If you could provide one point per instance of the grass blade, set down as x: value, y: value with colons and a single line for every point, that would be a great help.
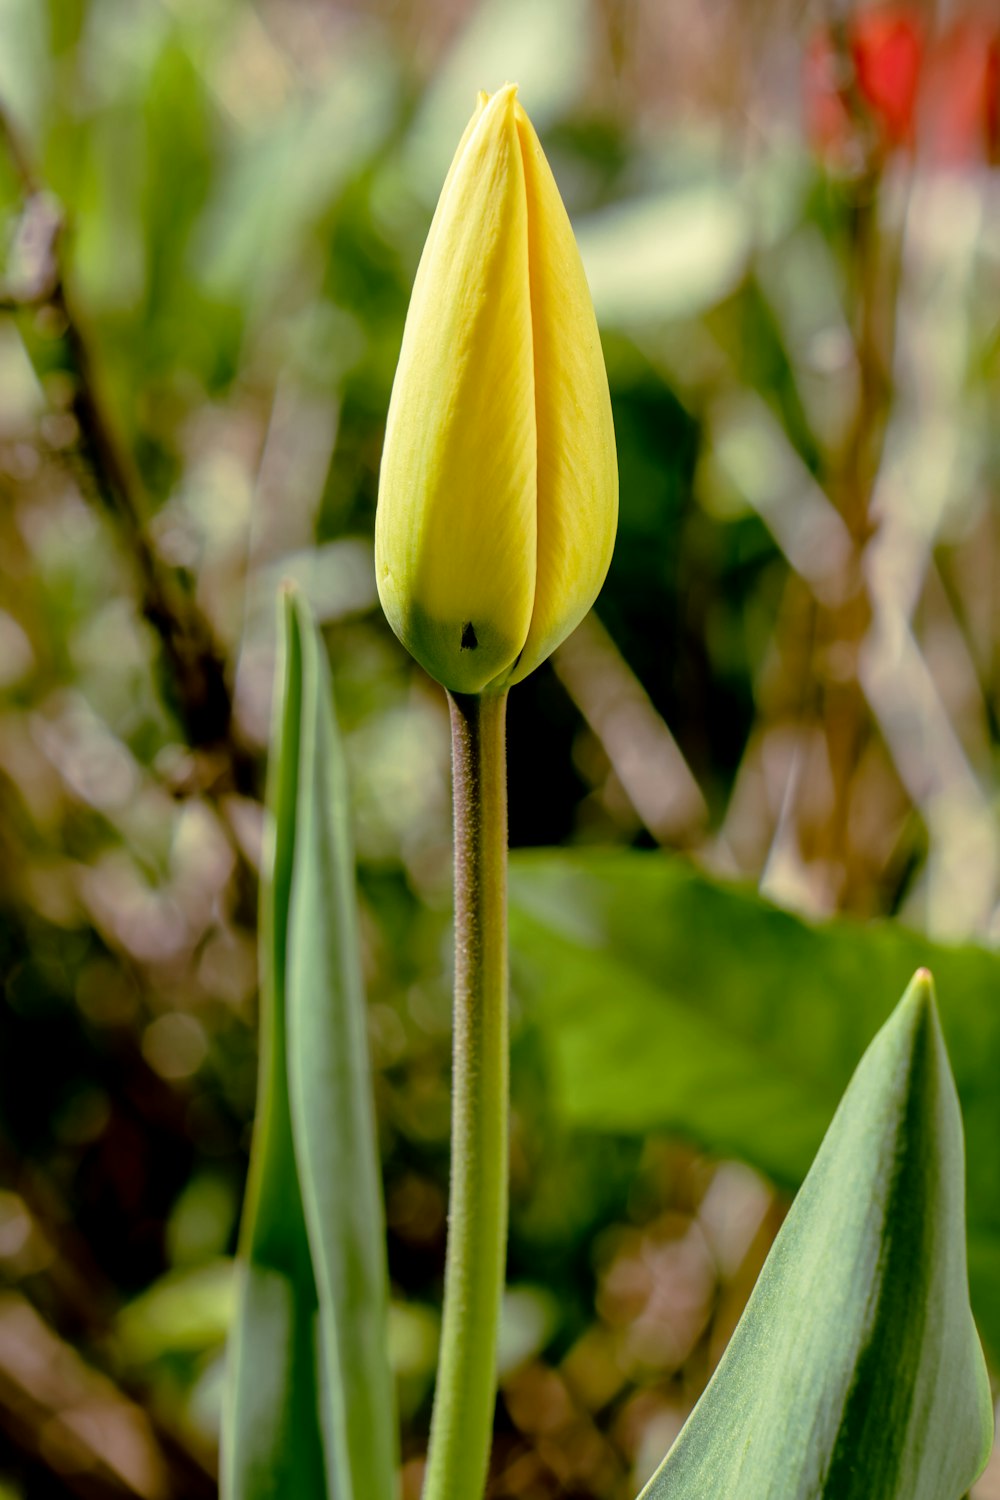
x: 271, y: 1443
x: 332, y: 1111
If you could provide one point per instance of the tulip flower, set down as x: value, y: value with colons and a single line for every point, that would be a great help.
x: 497, y: 508
x: 498, y: 497
x: 861, y: 84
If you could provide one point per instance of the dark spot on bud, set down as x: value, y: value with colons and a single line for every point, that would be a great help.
x: 469, y: 642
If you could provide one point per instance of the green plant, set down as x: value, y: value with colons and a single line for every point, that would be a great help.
x: 856, y: 1369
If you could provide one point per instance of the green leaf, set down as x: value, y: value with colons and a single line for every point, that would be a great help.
x: 310, y: 1409
x: 667, y: 256
x: 855, y: 1372
x: 668, y: 1001
x: 332, y: 1111
x: 271, y: 1443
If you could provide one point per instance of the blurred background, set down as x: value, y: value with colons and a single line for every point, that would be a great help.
x: 211, y: 213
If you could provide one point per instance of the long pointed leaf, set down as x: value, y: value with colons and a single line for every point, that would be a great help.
x: 856, y: 1372
x: 332, y: 1113
x: 271, y: 1444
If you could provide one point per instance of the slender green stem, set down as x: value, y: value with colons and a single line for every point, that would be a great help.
x: 462, y: 1423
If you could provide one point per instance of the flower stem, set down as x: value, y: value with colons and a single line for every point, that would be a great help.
x: 462, y: 1422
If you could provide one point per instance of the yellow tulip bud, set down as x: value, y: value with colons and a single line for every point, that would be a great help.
x: 498, y: 497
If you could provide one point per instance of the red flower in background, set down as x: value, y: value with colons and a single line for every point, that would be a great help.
x: 887, y: 49
x: 877, y: 84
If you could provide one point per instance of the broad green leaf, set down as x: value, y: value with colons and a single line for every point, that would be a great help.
x: 668, y: 1001
x: 332, y: 1112
x: 271, y: 1443
x: 855, y: 1372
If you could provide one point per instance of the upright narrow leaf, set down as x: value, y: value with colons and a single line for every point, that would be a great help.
x: 332, y: 1113
x: 856, y: 1372
x: 271, y: 1446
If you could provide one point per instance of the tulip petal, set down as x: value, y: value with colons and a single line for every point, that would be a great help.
x: 482, y: 99
x: 577, y: 464
x: 455, y: 528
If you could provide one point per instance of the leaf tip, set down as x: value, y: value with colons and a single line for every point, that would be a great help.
x: 918, y: 1007
x: 296, y: 609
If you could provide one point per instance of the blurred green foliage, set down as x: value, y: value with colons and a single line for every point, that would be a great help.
x: 736, y: 1023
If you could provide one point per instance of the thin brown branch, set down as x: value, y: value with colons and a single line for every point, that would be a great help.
x: 194, y: 672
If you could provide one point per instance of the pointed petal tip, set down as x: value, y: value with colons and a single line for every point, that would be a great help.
x: 504, y: 100
x: 493, y: 112
x: 489, y: 108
